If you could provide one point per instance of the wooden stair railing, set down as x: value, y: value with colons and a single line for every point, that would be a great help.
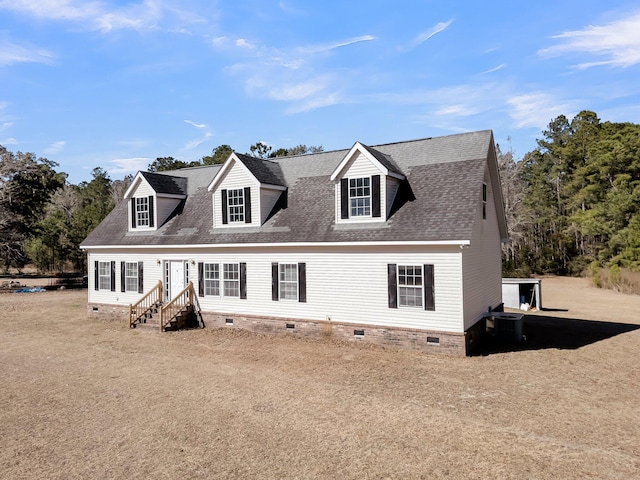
x: 152, y: 300
x: 181, y: 304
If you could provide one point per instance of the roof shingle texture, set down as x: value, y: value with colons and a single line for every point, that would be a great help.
x: 445, y: 175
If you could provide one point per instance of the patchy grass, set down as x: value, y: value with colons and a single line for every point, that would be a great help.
x: 85, y: 398
x: 616, y: 278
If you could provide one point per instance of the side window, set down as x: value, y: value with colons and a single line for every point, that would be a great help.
x: 289, y: 281
x: 212, y: 279
x: 131, y: 276
x: 104, y: 276
x: 222, y: 280
x: 411, y: 286
x: 484, y: 201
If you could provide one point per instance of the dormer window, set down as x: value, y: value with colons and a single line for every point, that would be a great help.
x: 142, y: 211
x: 366, y: 182
x: 236, y: 205
x: 360, y: 197
x: 235, y: 202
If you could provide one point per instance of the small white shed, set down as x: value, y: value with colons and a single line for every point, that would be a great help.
x: 522, y: 293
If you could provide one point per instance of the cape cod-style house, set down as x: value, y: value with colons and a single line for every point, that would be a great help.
x: 398, y: 244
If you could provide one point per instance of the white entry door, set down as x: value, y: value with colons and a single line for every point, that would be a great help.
x: 176, y: 278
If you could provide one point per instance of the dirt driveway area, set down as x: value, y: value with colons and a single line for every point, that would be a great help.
x: 91, y: 399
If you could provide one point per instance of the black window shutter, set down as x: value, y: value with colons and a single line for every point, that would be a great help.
x: 302, y: 282
x: 95, y: 276
x: 140, y: 277
x: 429, y: 288
x: 247, y: 204
x: 393, y: 285
x: 113, y: 276
x: 133, y: 212
x: 243, y: 281
x: 275, y: 282
x: 375, y: 196
x: 151, y: 214
x: 224, y: 207
x: 200, y: 279
x: 122, y: 276
x: 344, y: 198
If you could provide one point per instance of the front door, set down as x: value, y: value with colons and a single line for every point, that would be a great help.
x: 176, y: 279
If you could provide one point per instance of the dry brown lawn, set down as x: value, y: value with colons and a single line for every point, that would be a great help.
x: 90, y: 399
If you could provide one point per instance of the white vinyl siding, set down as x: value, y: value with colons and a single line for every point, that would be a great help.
x: 165, y: 207
x: 345, y: 284
x: 390, y: 186
x: 268, y: 199
x: 482, y: 262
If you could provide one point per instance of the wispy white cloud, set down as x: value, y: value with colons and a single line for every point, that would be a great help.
x: 427, y: 34
x: 55, y: 147
x: 536, y: 109
x: 199, y: 141
x: 5, y: 125
x: 617, y: 42
x: 320, y: 48
x: 8, y: 141
x: 197, y: 125
x: 11, y: 53
x: 494, y: 69
x: 289, y: 75
x: 124, y: 166
x: 94, y: 15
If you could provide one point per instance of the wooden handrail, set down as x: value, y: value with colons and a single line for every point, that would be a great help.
x: 171, y: 309
x: 150, y: 300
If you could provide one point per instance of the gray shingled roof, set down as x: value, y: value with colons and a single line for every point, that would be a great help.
x: 444, y: 175
x: 384, y: 160
x: 168, y: 184
x: 265, y: 171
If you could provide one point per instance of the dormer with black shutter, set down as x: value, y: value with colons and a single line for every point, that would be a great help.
x: 366, y: 183
x: 246, y: 191
x: 152, y: 199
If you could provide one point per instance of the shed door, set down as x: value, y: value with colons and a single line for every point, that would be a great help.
x: 176, y: 278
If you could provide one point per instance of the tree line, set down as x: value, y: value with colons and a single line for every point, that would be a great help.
x: 44, y: 218
x: 573, y: 203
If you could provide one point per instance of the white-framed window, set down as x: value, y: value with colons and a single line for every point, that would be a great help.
x: 131, y: 276
x: 360, y: 197
x: 231, y: 279
x: 211, y: 278
x: 142, y: 211
x: 104, y: 275
x: 288, y: 279
x: 410, y: 286
x: 484, y: 201
x: 235, y: 204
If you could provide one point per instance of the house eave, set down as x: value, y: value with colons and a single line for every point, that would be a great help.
x: 427, y: 243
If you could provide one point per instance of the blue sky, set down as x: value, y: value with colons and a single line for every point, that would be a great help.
x: 115, y: 84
